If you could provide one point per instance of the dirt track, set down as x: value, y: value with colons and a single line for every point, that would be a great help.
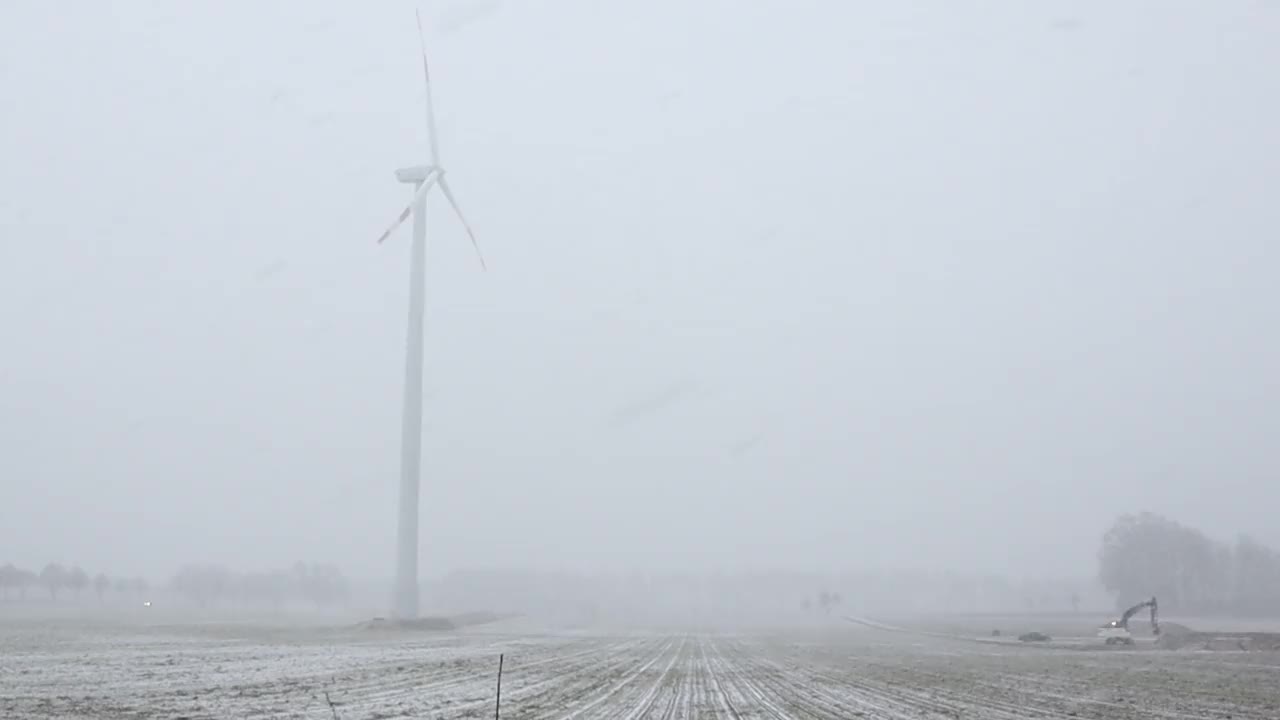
x: 838, y: 672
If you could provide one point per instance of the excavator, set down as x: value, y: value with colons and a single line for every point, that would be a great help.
x: 1116, y: 632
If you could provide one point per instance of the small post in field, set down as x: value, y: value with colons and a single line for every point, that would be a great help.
x: 497, y: 706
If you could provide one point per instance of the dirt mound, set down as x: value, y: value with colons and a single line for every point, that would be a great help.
x: 432, y: 624
x: 476, y: 618
x: 427, y: 624
x: 1220, y: 642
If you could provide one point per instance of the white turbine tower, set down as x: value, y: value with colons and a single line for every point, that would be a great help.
x: 424, y: 178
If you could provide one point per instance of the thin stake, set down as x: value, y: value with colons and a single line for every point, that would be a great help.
x: 332, y: 708
x: 497, y: 706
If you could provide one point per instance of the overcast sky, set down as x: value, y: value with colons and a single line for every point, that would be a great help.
x: 816, y: 285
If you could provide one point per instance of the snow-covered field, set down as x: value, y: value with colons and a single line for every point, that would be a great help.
x: 101, y: 670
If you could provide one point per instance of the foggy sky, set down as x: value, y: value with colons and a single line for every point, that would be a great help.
x: 815, y: 285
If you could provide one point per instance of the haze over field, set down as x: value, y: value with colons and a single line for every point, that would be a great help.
x: 779, y: 284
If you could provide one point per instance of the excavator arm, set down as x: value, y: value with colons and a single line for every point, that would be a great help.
x: 1155, y: 620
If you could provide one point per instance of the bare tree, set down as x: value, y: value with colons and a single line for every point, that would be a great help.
x: 1255, y: 590
x: 25, y: 579
x: 824, y: 602
x: 54, y: 578
x: 101, y: 583
x: 1144, y: 555
x: 202, y: 583
x: 8, y: 579
x: 78, y: 579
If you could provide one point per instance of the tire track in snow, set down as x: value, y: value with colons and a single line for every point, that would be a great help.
x: 804, y: 694
x: 650, y: 698
x: 681, y: 703
x: 405, y: 687
x: 707, y: 671
x: 614, y: 688
x: 749, y: 690
x: 546, y: 695
x: 895, y: 699
x: 868, y: 697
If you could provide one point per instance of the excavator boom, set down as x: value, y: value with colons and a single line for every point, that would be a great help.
x: 1118, y: 630
x: 1155, y: 619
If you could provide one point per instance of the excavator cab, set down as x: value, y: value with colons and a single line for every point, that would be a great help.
x: 1117, y: 632
x: 1113, y: 634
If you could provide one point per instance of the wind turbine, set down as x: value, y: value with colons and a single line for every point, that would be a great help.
x: 424, y: 178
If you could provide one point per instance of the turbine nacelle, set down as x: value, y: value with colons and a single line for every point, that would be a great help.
x: 417, y: 173
x: 430, y: 175
x: 427, y: 177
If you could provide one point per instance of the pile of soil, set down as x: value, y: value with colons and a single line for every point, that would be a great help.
x: 1184, y: 638
x: 475, y: 618
x: 427, y: 624
x: 432, y: 624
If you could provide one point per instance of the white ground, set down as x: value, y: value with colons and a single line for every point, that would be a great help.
x: 842, y: 671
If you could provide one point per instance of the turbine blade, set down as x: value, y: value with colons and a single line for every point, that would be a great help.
x: 448, y: 194
x: 408, y: 209
x: 404, y: 215
x: 426, y: 77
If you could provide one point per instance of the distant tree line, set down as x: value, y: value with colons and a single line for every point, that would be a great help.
x: 825, y: 601
x: 1147, y: 554
x: 54, y: 579
x: 321, y: 585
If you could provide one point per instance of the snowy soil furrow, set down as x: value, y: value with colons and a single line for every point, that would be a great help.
x: 825, y: 673
x: 645, y: 705
x: 584, y: 706
x: 749, y: 697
